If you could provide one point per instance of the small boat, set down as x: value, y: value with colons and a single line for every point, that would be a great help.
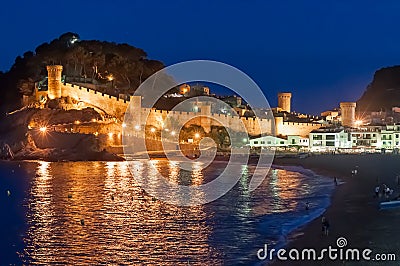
x: 389, y: 204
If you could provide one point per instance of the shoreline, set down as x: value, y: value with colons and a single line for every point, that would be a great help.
x: 353, y: 211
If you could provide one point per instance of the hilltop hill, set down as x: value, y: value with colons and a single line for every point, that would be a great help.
x: 383, y: 92
x: 91, y: 60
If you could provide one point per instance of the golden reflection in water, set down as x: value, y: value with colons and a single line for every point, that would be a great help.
x: 244, y: 208
x: 95, y: 213
x: 285, y: 186
x: 197, y: 174
x: 173, y: 171
x: 43, y: 212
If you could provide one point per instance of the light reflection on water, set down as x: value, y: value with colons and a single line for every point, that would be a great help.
x: 95, y: 213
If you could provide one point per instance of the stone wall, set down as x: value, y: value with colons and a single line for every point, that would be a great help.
x: 109, y: 104
x: 294, y: 128
x: 157, y: 118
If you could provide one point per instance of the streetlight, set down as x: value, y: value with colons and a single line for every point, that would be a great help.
x: 152, y: 130
x: 43, y: 129
x: 197, y: 135
x: 111, y: 79
x: 359, y: 123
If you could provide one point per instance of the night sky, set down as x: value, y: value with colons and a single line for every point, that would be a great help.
x: 323, y: 51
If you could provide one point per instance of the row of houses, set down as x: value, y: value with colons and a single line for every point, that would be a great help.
x: 330, y: 139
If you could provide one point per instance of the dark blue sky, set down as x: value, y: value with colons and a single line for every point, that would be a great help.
x: 323, y: 51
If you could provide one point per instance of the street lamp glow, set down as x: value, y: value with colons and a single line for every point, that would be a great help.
x: 153, y: 130
x: 43, y: 129
x: 110, y: 135
x: 124, y: 125
x: 197, y: 135
x: 137, y: 127
x: 173, y: 133
x: 359, y: 122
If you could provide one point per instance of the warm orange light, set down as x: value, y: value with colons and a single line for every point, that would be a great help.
x: 43, y: 129
x: 123, y: 125
x: 137, y: 127
x: 110, y: 135
x: 94, y: 120
x: 110, y: 77
x: 173, y: 133
x: 77, y: 122
x: 153, y: 130
x: 197, y: 135
x: 359, y: 122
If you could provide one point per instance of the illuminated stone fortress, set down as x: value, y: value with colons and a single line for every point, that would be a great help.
x: 112, y: 108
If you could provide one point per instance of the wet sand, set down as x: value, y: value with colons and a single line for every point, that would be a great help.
x: 354, y: 212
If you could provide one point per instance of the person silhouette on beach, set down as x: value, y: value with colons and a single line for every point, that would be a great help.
x: 335, y: 181
x: 325, y: 226
x: 307, y: 206
x: 377, y: 188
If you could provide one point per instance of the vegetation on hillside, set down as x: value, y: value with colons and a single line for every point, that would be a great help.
x: 121, y: 66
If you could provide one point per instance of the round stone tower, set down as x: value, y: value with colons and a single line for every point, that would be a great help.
x: 284, y: 100
x: 54, y: 81
x: 348, y: 110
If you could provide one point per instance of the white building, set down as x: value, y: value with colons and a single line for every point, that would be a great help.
x: 297, y: 141
x: 377, y: 137
x: 268, y: 141
x: 329, y: 139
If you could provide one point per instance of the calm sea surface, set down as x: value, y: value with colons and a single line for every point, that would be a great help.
x: 86, y: 213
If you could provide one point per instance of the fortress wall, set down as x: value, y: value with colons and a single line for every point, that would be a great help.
x: 117, y: 107
x: 291, y: 128
x: 157, y: 118
x: 110, y: 104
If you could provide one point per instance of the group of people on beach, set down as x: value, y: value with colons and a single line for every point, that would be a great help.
x: 383, y: 190
x: 354, y: 171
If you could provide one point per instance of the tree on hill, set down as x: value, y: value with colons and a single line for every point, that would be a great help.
x: 90, y: 59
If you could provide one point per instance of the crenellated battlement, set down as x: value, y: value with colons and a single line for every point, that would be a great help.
x: 116, y: 107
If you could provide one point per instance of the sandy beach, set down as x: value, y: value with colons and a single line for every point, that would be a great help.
x: 353, y: 213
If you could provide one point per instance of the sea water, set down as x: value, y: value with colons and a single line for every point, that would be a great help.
x: 95, y: 213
